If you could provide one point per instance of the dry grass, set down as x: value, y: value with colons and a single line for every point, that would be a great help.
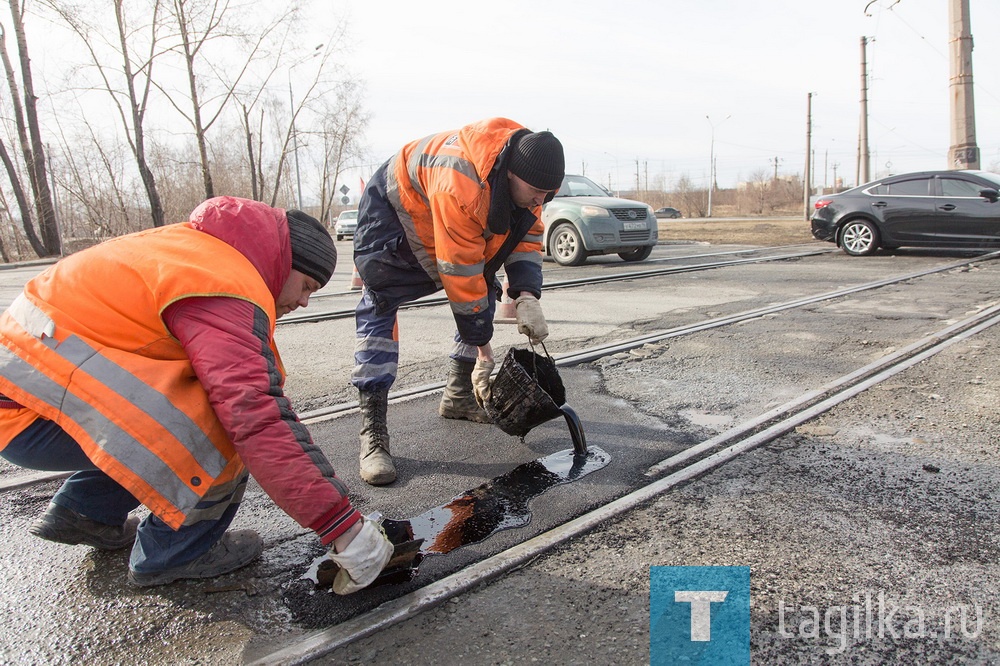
x: 762, y: 231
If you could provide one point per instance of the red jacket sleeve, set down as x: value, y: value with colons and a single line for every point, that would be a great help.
x: 226, y: 340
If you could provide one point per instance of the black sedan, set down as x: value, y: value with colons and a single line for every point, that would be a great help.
x: 927, y: 208
x: 668, y: 213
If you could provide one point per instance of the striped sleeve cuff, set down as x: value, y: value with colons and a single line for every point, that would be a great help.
x: 335, y: 522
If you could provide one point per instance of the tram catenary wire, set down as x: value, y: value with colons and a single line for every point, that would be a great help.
x: 585, y: 355
x: 796, y: 412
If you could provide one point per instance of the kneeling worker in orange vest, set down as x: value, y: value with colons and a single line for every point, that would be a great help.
x: 147, y: 365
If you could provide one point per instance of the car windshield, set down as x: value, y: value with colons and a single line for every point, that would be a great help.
x: 581, y: 186
x: 349, y: 215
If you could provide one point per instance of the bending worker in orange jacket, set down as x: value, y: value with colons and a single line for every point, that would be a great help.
x: 147, y: 364
x: 447, y: 212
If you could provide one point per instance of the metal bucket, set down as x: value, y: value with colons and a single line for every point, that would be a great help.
x: 526, y: 392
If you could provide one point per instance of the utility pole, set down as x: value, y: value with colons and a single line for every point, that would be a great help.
x: 864, y: 158
x: 711, y: 162
x: 807, y: 180
x: 775, y: 160
x: 964, y: 153
x: 826, y: 169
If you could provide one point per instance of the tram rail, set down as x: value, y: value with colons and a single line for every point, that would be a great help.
x: 585, y: 355
x: 575, y: 282
x: 687, y: 465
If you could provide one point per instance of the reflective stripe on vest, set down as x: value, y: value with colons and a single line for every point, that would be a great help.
x: 149, y: 426
x: 406, y: 220
x: 112, y: 440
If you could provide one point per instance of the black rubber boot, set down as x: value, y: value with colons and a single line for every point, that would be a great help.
x: 377, y: 468
x: 458, y: 401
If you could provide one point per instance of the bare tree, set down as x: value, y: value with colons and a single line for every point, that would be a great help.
x: 128, y: 82
x: 291, y: 133
x: 8, y: 227
x: 693, y: 201
x: 22, y: 200
x: 343, y: 125
x: 198, y: 23
x: 756, y: 189
x: 30, y: 138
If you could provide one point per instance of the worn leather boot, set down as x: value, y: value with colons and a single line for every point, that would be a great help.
x: 234, y: 550
x: 458, y: 401
x: 377, y: 468
x: 64, y: 525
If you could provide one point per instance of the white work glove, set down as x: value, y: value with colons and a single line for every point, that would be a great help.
x: 481, y: 380
x: 530, y: 319
x: 363, y: 559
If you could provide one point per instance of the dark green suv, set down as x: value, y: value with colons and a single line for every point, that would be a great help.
x: 585, y: 219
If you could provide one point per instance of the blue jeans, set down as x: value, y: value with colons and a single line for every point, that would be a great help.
x: 90, y: 492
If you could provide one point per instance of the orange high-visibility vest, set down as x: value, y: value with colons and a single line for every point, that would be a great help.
x: 439, y: 187
x: 85, y: 346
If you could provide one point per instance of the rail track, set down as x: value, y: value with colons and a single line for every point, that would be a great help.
x: 761, y: 255
x: 659, y: 477
x: 23, y: 480
x: 679, y: 468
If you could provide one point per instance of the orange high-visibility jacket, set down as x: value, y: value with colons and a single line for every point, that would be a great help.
x: 106, y: 369
x: 439, y: 189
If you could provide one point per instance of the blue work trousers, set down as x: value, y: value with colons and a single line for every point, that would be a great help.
x: 90, y: 492
x: 376, y: 348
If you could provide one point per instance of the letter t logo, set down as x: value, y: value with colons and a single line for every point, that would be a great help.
x: 701, y: 613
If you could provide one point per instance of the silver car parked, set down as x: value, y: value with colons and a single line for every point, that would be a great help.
x: 584, y: 219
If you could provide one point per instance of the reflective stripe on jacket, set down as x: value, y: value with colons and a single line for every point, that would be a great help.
x: 438, y: 189
x: 85, y: 346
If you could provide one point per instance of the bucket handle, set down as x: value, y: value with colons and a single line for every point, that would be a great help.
x: 534, y: 358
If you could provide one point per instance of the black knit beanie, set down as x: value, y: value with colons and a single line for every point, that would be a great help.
x: 538, y: 160
x: 313, y: 251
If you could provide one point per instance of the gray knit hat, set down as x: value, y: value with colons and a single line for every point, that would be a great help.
x: 538, y: 160
x: 313, y: 251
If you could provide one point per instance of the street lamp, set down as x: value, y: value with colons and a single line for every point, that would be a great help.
x: 711, y: 162
x: 295, y: 141
x: 295, y: 134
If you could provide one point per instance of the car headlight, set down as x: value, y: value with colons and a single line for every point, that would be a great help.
x: 650, y: 213
x: 594, y: 211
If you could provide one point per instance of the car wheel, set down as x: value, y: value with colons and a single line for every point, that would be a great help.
x: 859, y: 238
x: 638, y: 254
x: 340, y: 237
x: 566, y: 246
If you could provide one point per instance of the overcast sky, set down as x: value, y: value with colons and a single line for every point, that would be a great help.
x: 630, y: 82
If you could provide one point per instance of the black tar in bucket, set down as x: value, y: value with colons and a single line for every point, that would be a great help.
x: 527, y: 392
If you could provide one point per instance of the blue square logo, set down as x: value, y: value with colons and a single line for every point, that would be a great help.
x: 699, y: 615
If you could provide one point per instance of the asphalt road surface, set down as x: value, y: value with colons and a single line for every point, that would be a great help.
x: 870, y: 531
